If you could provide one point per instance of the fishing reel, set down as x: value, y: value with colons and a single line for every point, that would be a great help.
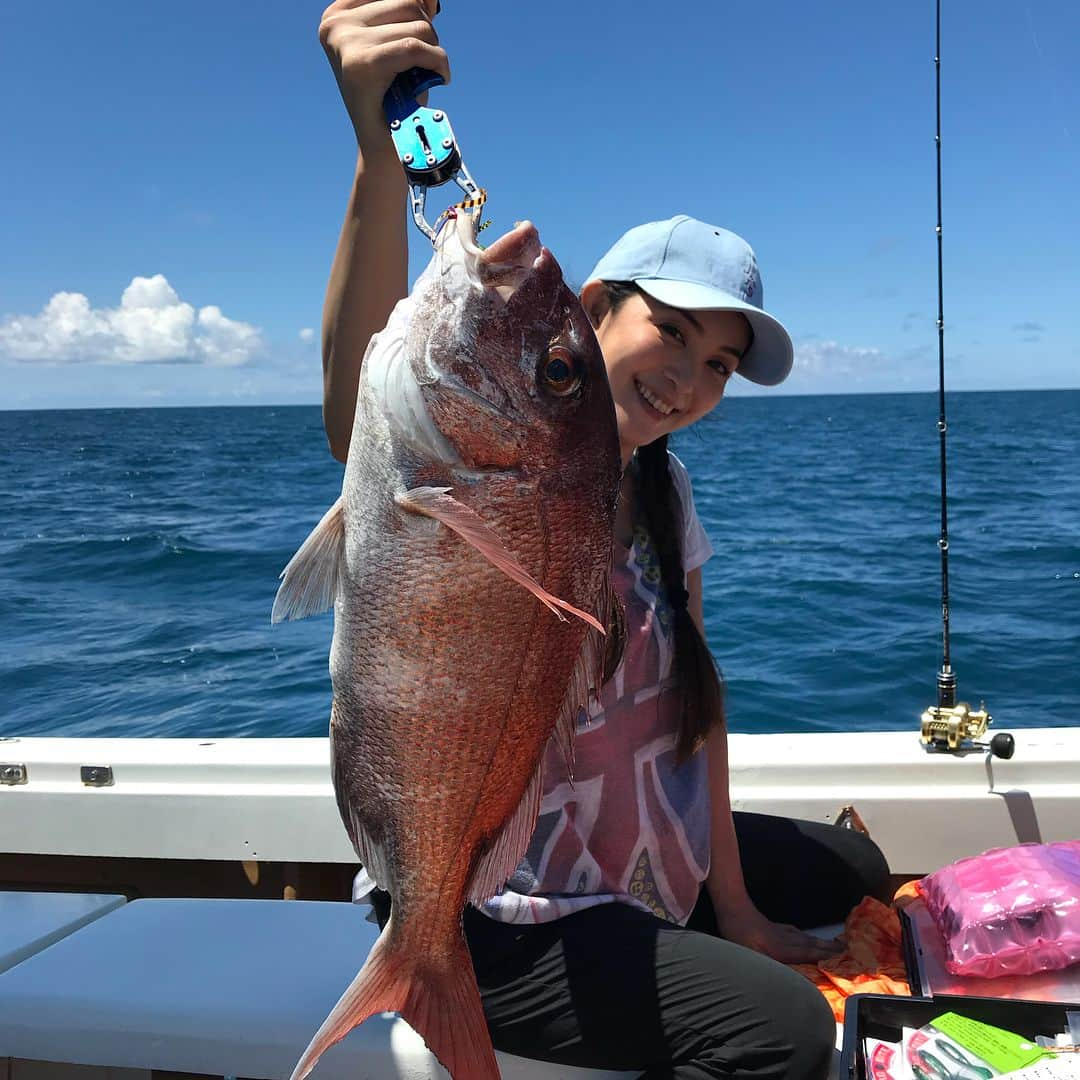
x: 958, y: 728
x: 950, y: 726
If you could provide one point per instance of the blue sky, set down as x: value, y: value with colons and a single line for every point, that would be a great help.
x: 175, y: 177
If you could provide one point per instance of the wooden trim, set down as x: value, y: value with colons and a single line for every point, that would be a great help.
x: 196, y: 878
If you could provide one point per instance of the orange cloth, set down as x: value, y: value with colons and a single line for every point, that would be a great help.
x: 872, y: 961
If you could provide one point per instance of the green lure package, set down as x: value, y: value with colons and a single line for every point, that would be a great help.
x: 954, y: 1047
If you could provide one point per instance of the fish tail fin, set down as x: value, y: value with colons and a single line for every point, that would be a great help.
x: 444, y: 1009
x: 442, y: 1004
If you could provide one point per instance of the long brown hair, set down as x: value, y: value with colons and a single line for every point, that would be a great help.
x: 660, y: 511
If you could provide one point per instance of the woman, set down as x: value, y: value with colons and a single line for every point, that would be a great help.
x: 643, y: 928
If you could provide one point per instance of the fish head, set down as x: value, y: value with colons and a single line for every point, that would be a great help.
x: 507, y: 362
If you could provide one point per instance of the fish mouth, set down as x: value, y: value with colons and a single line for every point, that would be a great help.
x: 516, y: 250
x: 506, y: 264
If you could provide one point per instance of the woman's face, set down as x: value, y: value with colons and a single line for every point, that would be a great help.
x: 667, y: 367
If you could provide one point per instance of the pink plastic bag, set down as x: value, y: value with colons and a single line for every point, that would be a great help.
x: 1009, y: 911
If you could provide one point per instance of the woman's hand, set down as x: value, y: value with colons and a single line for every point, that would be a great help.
x: 789, y: 945
x: 368, y: 43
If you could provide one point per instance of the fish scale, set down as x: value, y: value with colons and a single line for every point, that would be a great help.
x: 468, y: 562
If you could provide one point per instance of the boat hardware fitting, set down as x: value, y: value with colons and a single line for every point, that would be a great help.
x: 96, y: 775
x: 849, y: 818
x: 12, y: 773
x: 425, y: 144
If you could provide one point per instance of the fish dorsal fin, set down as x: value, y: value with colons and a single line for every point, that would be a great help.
x: 439, y: 504
x: 596, y: 663
x: 309, y: 583
x: 584, y: 683
x: 507, y: 849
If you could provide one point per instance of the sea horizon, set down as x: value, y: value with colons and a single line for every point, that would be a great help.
x: 771, y: 393
x: 139, y: 562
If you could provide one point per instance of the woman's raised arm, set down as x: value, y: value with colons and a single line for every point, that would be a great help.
x: 368, y: 43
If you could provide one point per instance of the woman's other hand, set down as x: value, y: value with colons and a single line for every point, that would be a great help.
x: 782, y: 942
x: 369, y: 43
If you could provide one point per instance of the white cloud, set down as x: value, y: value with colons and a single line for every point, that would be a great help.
x: 830, y: 358
x: 152, y: 325
x: 307, y: 334
x: 831, y: 367
x: 222, y: 341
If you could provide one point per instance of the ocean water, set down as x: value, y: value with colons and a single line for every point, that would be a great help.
x: 140, y: 551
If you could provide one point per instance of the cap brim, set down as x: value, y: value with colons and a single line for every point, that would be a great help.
x: 769, y: 359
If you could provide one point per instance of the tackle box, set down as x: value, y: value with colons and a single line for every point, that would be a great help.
x: 883, y: 1016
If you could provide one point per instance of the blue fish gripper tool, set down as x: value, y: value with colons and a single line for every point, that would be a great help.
x: 426, y: 145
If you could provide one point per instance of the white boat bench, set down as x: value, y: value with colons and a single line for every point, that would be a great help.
x: 232, y: 988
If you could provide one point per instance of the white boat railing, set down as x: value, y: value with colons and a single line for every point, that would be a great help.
x: 272, y: 800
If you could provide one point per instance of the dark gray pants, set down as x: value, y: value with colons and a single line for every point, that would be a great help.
x: 615, y: 987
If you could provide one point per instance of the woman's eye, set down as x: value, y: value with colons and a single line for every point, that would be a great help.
x: 720, y: 368
x: 560, y: 371
x: 673, y: 331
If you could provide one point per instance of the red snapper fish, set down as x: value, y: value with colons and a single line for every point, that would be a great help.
x: 468, y: 565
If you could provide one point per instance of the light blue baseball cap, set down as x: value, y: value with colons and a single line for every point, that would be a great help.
x: 686, y: 263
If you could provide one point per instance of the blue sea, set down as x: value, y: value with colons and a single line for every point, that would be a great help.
x: 140, y: 552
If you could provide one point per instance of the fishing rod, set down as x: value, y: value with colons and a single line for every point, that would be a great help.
x: 950, y: 725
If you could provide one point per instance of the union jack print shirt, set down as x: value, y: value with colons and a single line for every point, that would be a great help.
x: 632, y: 828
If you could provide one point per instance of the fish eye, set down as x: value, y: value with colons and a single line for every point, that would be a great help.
x: 560, y: 371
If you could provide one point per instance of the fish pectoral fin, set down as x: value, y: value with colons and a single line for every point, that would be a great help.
x: 439, y: 504
x: 309, y: 583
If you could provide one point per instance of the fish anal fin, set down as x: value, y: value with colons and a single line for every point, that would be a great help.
x: 506, y: 851
x: 309, y: 583
x: 370, y: 848
x: 439, y: 504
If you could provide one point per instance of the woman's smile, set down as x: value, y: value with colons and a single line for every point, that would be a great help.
x: 653, y: 402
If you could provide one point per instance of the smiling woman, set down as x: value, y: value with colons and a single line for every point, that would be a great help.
x: 670, y: 367
x: 139, y: 549
x: 634, y: 882
x: 637, y: 862
x: 632, y: 886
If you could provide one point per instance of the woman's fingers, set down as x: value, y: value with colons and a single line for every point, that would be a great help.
x: 796, y: 947
x: 362, y: 49
x: 369, y: 43
x: 377, y: 12
x: 378, y: 37
x: 367, y: 62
